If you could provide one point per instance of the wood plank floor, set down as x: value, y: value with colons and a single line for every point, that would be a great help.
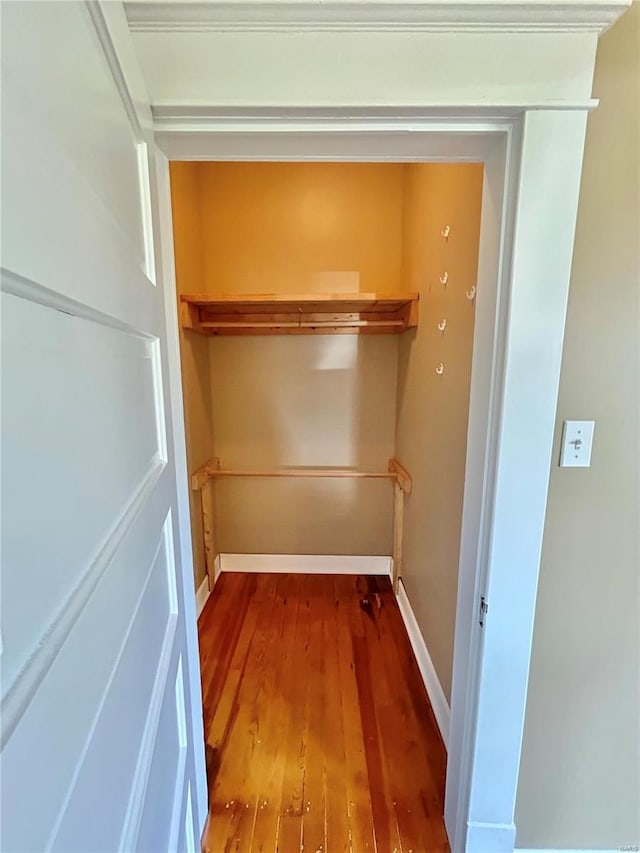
x: 320, y: 735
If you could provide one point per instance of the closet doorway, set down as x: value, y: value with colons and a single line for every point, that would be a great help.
x: 532, y: 159
x: 327, y: 316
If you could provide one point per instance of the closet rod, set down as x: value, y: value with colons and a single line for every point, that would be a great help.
x: 212, y: 469
x: 396, y: 472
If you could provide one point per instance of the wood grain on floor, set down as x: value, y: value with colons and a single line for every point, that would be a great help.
x: 320, y: 736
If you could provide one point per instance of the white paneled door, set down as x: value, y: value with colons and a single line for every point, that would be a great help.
x: 102, y: 743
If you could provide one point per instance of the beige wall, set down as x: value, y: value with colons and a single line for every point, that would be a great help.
x: 194, y: 349
x: 579, y: 782
x: 288, y: 401
x: 433, y: 410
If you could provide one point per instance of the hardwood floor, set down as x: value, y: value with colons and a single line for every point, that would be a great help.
x: 320, y: 736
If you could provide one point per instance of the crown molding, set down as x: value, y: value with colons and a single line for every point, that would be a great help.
x: 170, y: 118
x: 374, y: 16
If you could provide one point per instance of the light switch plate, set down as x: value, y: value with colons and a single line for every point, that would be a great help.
x: 577, y: 440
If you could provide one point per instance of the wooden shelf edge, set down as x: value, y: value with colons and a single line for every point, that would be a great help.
x: 284, y: 314
x: 268, y: 298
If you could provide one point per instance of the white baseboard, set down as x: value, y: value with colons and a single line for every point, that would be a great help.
x: 309, y: 564
x: 202, y: 595
x: 425, y: 664
x: 566, y: 850
x: 494, y: 837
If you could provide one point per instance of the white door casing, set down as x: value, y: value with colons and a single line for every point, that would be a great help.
x: 102, y: 742
x: 522, y: 288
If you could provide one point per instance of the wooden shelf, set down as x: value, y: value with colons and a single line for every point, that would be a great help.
x: 310, y: 314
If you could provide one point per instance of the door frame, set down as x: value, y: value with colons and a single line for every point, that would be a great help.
x: 522, y: 288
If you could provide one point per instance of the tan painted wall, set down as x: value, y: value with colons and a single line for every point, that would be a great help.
x: 290, y: 227
x: 433, y: 410
x: 194, y: 349
x: 579, y: 783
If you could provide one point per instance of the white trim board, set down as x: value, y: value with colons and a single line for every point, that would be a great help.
x: 565, y: 850
x: 308, y: 564
x: 204, y: 590
x: 495, y: 837
x: 202, y: 594
x: 425, y: 665
x: 286, y: 15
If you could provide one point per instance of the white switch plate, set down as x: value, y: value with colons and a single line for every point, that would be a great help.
x: 577, y: 440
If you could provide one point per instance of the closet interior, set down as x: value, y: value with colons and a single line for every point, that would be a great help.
x: 326, y: 324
